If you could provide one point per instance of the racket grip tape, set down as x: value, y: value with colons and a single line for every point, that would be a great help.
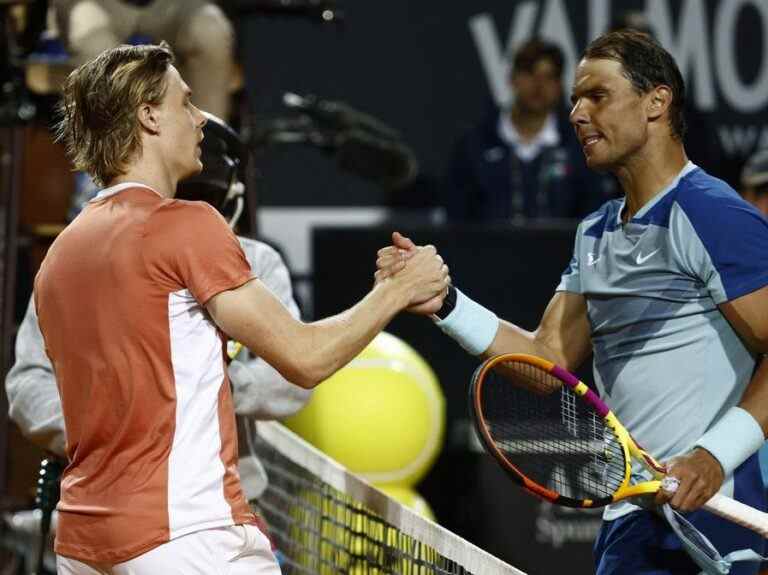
x: 738, y: 513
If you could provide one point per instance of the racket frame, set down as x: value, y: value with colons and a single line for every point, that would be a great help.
x: 629, y: 447
x: 725, y: 507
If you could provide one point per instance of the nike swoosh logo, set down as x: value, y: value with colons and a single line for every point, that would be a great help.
x: 641, y: 259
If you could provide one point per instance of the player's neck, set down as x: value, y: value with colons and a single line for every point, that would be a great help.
x: 649, y: 173
x: 150, y: 175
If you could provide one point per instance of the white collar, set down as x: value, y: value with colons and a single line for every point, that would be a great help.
x: 547, y: 136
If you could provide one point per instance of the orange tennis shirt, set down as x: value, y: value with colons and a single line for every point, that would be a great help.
x: 141, y: 371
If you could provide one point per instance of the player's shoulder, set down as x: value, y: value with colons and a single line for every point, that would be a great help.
x: 710, y: 204
x: 190, y: 213
x: 699, y: 191
x: 697, y: 198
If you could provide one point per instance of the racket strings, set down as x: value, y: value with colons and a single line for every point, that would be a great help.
x: 568, y: 411
x: 529, y: 377
x: 554, y: 439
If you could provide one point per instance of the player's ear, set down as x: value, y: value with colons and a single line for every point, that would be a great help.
x: 149, y: 118
x: 658, y: 102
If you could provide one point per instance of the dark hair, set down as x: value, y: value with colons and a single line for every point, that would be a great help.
x: 534, y: 51
x: 98, y: 124
x: 646, y: 64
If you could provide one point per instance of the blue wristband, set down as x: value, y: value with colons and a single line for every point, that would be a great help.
x: 733, y: 439
x: 470, y: 324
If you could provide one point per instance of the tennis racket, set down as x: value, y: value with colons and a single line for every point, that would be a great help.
x: 559, y: 441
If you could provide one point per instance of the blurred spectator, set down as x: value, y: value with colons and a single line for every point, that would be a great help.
x: 525, y: 161
x: 200, y: 34
x: 754, y: 181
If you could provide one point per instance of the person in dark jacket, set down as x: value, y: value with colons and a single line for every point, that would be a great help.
x: 524, y: 161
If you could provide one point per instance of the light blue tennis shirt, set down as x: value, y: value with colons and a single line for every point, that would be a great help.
x: 666, y: 360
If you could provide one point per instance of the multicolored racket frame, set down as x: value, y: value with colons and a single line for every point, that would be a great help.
x: 617, y: 452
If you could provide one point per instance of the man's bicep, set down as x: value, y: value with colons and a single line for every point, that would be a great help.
x: 277, y: 279
x: 748, y: 315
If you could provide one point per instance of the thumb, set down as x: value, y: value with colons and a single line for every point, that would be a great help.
x: 402, y: 242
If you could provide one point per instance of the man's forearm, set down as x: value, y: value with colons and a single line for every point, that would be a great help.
x: 563, y: 336
x: 513, y: 339
x: 304, y: 353
x: 333, y: 342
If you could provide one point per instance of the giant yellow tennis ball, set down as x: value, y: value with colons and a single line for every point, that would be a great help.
x: 382, y: 415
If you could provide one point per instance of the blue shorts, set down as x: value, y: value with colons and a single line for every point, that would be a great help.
x: 643, y: 543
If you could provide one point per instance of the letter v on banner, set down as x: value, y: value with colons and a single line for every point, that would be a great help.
x: 492, y: 55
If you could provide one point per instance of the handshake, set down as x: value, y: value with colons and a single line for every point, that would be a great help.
x: 416, y: 272
x: 420, y: 273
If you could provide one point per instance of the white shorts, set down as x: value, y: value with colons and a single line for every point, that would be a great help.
x: 234, y: 550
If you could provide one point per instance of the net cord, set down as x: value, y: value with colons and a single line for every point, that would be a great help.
x: 445, y: 542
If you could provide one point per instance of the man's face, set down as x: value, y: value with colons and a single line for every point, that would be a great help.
x: 537, y: 90
x: 608, y: 114
x: 182, y: 128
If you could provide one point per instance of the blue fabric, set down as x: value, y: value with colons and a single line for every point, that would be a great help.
x: 643, y: 543
x: 734, y: 233
x: 763, y: 454
x: 51, y: 49
x: 485, y: 176
x: 603, y: 220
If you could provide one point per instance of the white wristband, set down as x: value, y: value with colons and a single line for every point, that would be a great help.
x: 470, y: 324
x: 733, y: 439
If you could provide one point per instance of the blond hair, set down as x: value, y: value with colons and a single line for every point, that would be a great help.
x: 98, y: 123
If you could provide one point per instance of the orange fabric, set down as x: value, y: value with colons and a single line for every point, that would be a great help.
x: 102, y: 296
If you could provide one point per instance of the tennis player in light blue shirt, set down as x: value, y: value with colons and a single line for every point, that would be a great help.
x: 668, y: 288
x: 665, y: 358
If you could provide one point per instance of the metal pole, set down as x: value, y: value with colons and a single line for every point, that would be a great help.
x: 11, y: 146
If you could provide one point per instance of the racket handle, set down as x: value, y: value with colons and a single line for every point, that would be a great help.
x: 739, y: 513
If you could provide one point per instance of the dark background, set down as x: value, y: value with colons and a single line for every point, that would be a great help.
x: 417, y: 67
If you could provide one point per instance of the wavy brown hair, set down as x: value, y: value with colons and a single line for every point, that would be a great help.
x: 97, y: 114
x: 646, y: 64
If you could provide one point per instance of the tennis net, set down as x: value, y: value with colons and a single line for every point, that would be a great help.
x: 325, y: 520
